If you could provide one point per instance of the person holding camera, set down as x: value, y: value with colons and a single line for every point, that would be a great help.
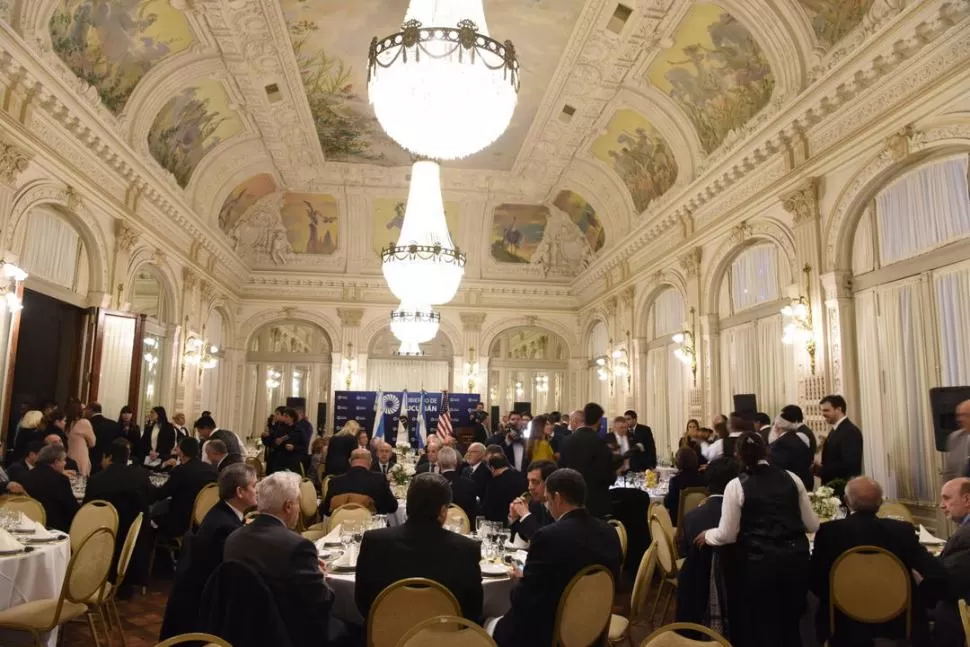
x: 479, y: 422
x: 511, y: 441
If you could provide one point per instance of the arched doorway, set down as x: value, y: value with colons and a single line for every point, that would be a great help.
x: 528, y: 364
x: 388, y: 371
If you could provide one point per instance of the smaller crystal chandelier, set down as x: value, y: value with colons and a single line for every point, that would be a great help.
x: 800, y: 329
x: 199, y: 353
x: 348, y: 368
x: 412, y: 326
x: 471, y: 371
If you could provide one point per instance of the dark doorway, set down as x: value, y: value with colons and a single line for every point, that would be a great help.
x: 48, y: 353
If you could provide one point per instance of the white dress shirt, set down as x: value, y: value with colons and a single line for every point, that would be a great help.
x: 623, y: 442
x: 727, y: 531
x: 714, y: 450
x: 518, y: 451
x: 155, y: 431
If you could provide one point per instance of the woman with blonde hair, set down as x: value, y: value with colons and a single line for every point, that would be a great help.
x: 341, y: 445
x: 80, y: 437
x: 27, y: 431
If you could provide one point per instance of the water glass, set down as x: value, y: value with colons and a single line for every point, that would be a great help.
x: 479, y: 524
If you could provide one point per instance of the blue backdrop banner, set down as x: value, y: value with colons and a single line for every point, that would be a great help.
x: 360, y: 406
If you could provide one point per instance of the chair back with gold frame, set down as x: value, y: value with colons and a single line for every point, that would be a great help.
x: 641, y: 585
x: 446, y: 631
x: 205, y: 500
x: 257, y: 466
x: 585, y: 608
x: 207, y: 640
x: 965, y: 619
x: 92, y: 515
x: 348, y: 512
x: 665, y: 548
x: 856, y: 574
x: 621, y: 534
x: 88, y: 569
x: 308, y: 501
x: 456, y: 515
x: 363, y: 500
x: 404, y: 604
x: 33, y: 508
x: 324, y: 482
x: 128, y: 549
x: 895, y: 510
x: 667, y: 636
x: 690, y: 498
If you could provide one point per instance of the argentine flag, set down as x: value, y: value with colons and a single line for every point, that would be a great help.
x: 422, y: 425
x: 402, y: 431
x: 379, y: 415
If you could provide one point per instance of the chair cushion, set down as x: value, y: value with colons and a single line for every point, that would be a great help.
x: 39, y: 614
x: 618, y: 627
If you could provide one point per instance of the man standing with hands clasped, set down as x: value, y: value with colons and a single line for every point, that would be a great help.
x: 842, y: 450
x: 643, y: 449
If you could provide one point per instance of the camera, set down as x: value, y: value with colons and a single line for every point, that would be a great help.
x: 477, y: 416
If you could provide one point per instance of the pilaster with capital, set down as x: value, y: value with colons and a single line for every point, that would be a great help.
x: 126, y: 238
x: 842, y: 368
x: 13, y: 161
x: 190, y: 302
x: 708, y: 366
x: 690, y: 263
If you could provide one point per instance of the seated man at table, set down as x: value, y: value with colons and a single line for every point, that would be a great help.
x: 217, y: 455
x: 557, y: 552
x: 287, y: 563
x: 384, y: 459
x: 863, y: 528
x: 180, y: 490
x: 429, y: 460
x: 17, y: 471
x: 474, y: 468
x: 421, y: 548
x: 359, y: 479
x: 955, y: 558
x: 462, y: 488
x: 506, y: 485
x: 527, y: 518
x: 48, y: 484
x: 70, y: 465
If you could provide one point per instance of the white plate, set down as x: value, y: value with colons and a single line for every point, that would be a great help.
x: 494, y: 570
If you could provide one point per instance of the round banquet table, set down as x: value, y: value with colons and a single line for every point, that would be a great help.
x: 36, y: 575
x: 496, y: 599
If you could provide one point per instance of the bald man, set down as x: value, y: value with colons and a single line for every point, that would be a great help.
x: 955, y: 503
x: 359, y: 479
x: 863, y: 528
x: 958, y: 445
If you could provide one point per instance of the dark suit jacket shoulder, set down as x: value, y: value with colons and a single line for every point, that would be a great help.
x: 645, y: 459
x: 464, y: 494
x: 360, y: 480
x: 54, y: 492
x: 694, y: 577
x: 182, y: 487
x: 842, y: 453
x: 585, y: 452
x: 537, y: 518
x: 955, y: 558
x: 230, y: 459
x: 500, y: 492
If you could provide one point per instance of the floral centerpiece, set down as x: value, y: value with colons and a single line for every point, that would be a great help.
x: 824, y: 502
x: 399, y: 476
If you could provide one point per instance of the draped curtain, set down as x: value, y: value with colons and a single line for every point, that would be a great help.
x: 398, y: 374
x: 951, y: 289
x: 118, y: 339
x: 754, y: 277
x: 658, y: 397
x: 668, y: 313
x: 51, y: 248
x: 677, y: 373
x: 754, y: 360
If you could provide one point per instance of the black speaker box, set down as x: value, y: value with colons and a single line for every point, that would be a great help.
x: 522, y: 407
x: 321, y: 417
x: 943, y: 404
x: 745, y: 404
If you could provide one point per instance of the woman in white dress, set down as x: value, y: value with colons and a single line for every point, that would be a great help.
x: 80, y: 437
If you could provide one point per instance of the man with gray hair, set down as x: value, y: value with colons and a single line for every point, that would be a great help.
x: 463, y: 489
x: 287, y: 563
x: 217, y: 454
x: 475, y: 469
x: 48, y: 484
x: 359, y: 480
x: 863, y: 528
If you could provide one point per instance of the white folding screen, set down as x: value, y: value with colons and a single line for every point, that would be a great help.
x: 398, y: 374
x: 118, y: 338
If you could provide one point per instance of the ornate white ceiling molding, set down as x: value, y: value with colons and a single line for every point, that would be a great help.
x: 209, y: 197
x: 245, y: 331
x: 225, y: 160
x: 608, y: 195
x: 499, y: 326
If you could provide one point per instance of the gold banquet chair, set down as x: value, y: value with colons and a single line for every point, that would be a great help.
x: 353, y: 512
x: 965, y: 619
x: 620, y: 627
x: 207, y: 640
x: 668, y: 636
x: 690, y: 498
x: 895, y: 510
x: 585, y: 608
x: 308, y: 503
x: 111, y: 590
x: 86, y: 574
x: 205, y: 500
x: 91, y: 516
x: 456, y: 515
x: 446, y: 631
x: 622, y: 536
x: 669, y: 565
x: 32, y: 508
x: 404, y: 604
x: 856, y: 574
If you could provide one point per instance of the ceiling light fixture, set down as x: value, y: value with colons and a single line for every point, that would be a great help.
x: 442, y: 87
x: 413, y: 325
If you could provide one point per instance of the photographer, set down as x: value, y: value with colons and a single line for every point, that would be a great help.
x: 511, y: 441
x: 479, y: 422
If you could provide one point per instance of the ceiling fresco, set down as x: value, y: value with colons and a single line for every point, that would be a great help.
x: 715, y: 71
x: 389, y: 216
x: 243, y: 197
x: 112, y: 44
x: 517, y: 230
x: 583, y: 216
x: 833, y: 19
x: 310, y: 221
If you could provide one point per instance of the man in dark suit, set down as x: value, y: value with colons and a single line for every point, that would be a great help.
x: 202, y: 549
x: 18, y: 470
x: 512, y: 442
x: 476, y: 469
x: 217, y: 455
x: 955, y: 558
x: 421, y: 548
x: 643, y: 449
x: 206, y: 429
x: 359, y: 479
x: 287, y: 563
x: 528, y: 517
x: 506, y: 486
x: 694, y: 577
x: 557, y: 552
x: 463, y: 490
x: 384, y: 459
x: 70, y: 465
x: 585, y: 452
x: 863, y: 528
x: 105, y: 431
x: 181, y: 488
x: 429, y: 462
x: 48, y: 484
x: 792, y: 451
x: 762, y: 425
x: 842, y: 450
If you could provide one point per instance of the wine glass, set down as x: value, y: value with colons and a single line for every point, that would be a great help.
x: 479, y: 525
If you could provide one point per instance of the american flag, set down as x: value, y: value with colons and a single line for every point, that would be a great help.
x: 444, y: 418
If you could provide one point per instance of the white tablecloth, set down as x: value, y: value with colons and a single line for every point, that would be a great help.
x: 496, y: 600
x: 36, y: 575
x: 399, y: 517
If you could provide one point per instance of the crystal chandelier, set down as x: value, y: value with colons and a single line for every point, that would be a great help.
x: 413, y: 325
x: 442, y: 87
x: 424, y: 267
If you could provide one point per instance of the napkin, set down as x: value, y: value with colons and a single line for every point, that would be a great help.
x: 332, y: 538
x: 519, y: 543
x: 8, y: 543
x: 347, y: 560
x: 926, y: 538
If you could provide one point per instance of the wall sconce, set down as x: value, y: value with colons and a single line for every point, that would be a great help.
x: 471, y: 371
x: 615, y: 364
x: 11, y: 277
x: 687, y: 353
x: 200, y: 353
x: 542, y: 383
x: 273, y: 379
x: 348, y: 368
x: 799, y: 329
x: 518, y: 389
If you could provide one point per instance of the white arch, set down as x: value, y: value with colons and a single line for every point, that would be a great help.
x: 257, y: 321
x: 143, y: 259
x: 492, y: 332
x: 669, y: 279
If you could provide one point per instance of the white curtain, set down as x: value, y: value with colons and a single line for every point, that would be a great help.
x: 658, y: 396
x: 739, y: 366
x: 863, y: 249
x: 754, y: 360
x: 211, y: 376
x: 952, y: 291
x: 398, y: 374
x: 118, y: 340
x: 870, y: 418
x: 926, y: 208
x: 677, y: 375
x: 754, y: 276
x: 51, y: 247
x: 668, y: 313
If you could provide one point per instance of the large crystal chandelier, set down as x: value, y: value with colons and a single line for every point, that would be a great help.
x: 413, y: 325
x: 424, y: 267
x: 442, y: 87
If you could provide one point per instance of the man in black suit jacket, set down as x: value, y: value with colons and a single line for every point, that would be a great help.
x: 643, y: 449
x: 105, y: 431
x: 421, y: 548
x: 18, y: 471
x: 203, y: 548
x: 55, y: 438
x: 359, y: 479
x: 762, y: 425
x: 48, y: 484
x: 506, y: 486
x: 585, y: 452
x: 557, y: 552
x: 429, y: 461
x: 463, y: 490
x: 384, y: 458
x: 955, y: 558
x: 182, y: 486
x: 694, y: 577
x: 792, y: 451
x: 287, y: 563
x: 527, y: 518
x: 475, y: 469
x: 863, y: 528
x: 218, y: 455
x: 842, y: 450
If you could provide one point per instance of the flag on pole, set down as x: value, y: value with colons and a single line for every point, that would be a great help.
x: 402, y: 429
x: 379, y: 415
x: 445, y: 429
x: 422, y: 424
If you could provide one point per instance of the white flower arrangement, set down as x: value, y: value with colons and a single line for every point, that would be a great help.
x: 401, y: 473
x: 825, y: 503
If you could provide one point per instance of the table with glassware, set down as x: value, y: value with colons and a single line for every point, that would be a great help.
x: 33, y: 563
x: 340, y: 548
x: 653, y: 482
x: 79, y: 483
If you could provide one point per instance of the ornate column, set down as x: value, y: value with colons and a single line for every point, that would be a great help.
x: 125, y: 240
x: 13, y: 161
x: 690, y: 263
x: 627, y: 385
x: 709, y: 364
x: 350, y: 347
x: 471, y: 323
x: 842, y: 368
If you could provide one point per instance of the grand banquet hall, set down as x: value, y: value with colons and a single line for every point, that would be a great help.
x: 399, y: 323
